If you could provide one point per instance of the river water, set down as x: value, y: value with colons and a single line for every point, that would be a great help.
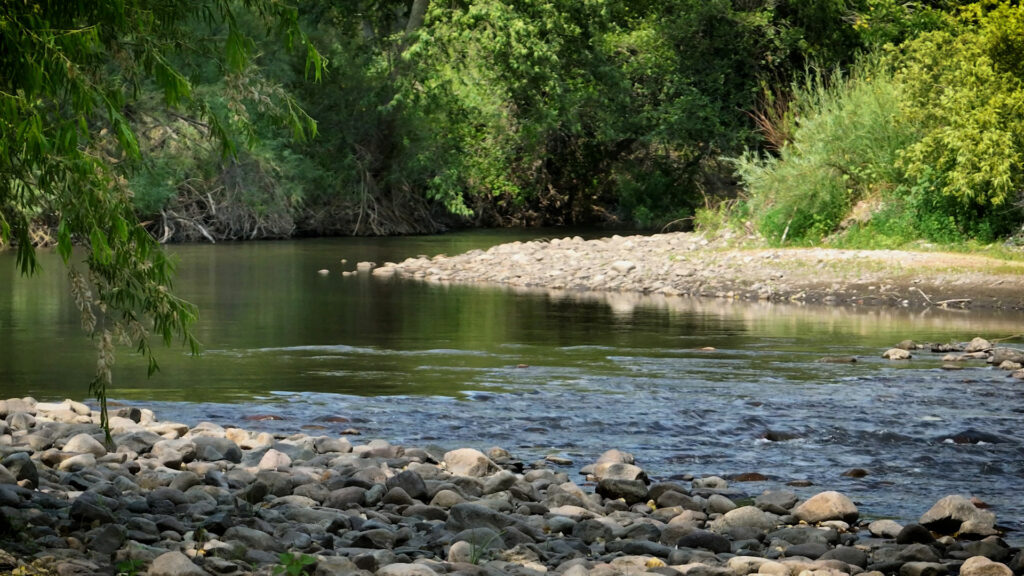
x: 543, y: 373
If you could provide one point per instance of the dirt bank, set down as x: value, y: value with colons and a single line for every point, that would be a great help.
x: 690, y: 264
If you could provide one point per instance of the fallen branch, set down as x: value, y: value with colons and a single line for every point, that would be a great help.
x: 921, y: 292
x: 963, y: 302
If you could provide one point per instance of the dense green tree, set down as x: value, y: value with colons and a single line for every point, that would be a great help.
x: 923, y: 142
x: 70, y: 73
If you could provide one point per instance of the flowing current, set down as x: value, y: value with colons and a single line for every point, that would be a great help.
x: 689, y: 387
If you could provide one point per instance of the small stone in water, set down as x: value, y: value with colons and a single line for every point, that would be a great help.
x: 896, y: 354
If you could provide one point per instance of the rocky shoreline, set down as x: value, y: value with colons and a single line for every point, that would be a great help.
x: 692, y: 264
x: 175, y: 499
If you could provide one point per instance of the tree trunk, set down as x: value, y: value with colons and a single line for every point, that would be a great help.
x: 416, y: 14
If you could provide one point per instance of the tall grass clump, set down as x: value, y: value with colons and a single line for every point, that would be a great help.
x: 846, y: 139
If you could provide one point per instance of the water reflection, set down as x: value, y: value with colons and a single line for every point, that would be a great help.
x: 691, y: 386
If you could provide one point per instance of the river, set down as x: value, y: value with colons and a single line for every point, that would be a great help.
x: 687, y: 386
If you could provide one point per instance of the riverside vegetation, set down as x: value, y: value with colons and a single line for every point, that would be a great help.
x: 124, y: 124
x: 488, y: 112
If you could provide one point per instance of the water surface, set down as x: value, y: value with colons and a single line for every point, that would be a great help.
x: 688, y: 386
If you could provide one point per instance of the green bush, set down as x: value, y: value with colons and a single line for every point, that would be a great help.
x: 844, y: 148
x: 925, y: 143
x: 964, y: 91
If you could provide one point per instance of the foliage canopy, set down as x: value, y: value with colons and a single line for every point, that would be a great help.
x: 70, y: 73
x: 923, y: 142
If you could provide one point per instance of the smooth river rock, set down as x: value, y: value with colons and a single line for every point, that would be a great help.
x: 829, y: 505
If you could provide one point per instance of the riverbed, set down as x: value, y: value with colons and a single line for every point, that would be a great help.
x: 688, y: 385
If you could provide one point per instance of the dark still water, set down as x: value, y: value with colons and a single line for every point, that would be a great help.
x: 424, y: 364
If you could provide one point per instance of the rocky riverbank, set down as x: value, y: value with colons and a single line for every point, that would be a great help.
x: 690, y: 264
x: 205, y: 499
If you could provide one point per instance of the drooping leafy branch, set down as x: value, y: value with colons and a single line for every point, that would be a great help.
x: 69, y: 72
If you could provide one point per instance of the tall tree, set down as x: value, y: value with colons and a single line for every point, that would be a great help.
x: 69, y: 72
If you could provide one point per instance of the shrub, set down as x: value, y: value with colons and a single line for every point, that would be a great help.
x: 844, y: 148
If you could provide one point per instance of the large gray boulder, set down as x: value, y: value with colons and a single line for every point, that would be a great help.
x: 742, y: 517
x: 982, y: 566
x: 21, y: 465
x: 826, y: 506
x: 174, y: 564
x: 85, y: 444
x: 212, y: 449
x: 956, y: 514
x: 469, y: 462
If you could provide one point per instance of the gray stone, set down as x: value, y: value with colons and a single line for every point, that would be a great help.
x: 274, y: 460
x: 325, y: 445
x: 469, y: 462
x: 14, y: 405
x: 379, y: 538
x: 174, y: 564
x: 461, y: 551
x: 406, y: 570
x: 21, y: 421
x: 918, y: 553
x: 718, y: 504
x: 425, y: 512
x: 982, y: 566
x: 710, y: 483
x: 848, y: 554
x: 85, y: 444
x: 885, y: 528
x: 501, y: 481
x: 672, y: 498
x: 348, y: 497
x: 923, y: 569
x: 106, y: 539
x: 812, y: 550
x: 251, y: 538
x: 334, y: 565
x: 446, y: 499
x: 745, y: 516
x: 184, y: 481
x: 956, y: 514
x: 825, y: 506
x: 278, y: 483
x: 914, y: 534
x: 172, y: 453
x: 978, y: 345
x: 618, y: 471
x: 993, y: 548
x: 705, y: 540
x: 138, y: 442
x: 212, y: 449
x: 592, y: 530
x: 91, y: 507
x: 1002, y: 354
x: 776, y: 501
x: 896, y: 354
x: 481, y: 538
x: 469, y: 515
x: 398, y: 497
x: 644, y: 548
x: 6, y: 476
x: 411, y: 482
x: 632, y: 491
x: 78, y: 462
